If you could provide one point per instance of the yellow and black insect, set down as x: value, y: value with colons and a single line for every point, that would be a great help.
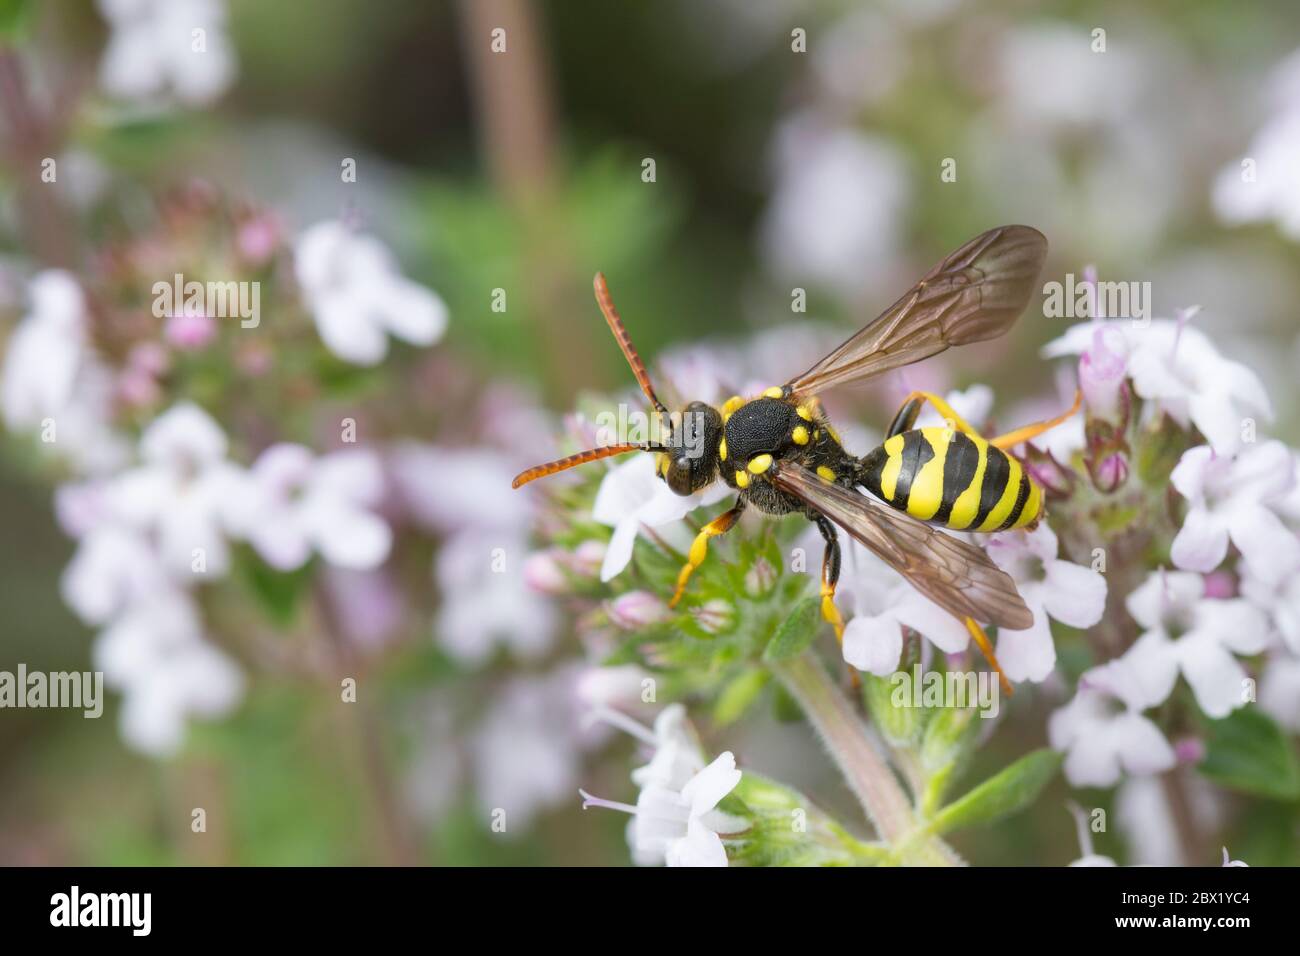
x: 780, y: 454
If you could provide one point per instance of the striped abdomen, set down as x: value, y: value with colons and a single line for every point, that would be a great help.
x: 952, y: 479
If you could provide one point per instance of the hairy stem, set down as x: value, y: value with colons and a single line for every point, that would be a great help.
x: 860, y: 761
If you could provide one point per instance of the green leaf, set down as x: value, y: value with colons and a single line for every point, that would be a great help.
x: 278, y: 593
x: 1247, y: 751
x: 1003, y: 794
x: 739, y: 695
x: 795, y: 633
x: 14, y: 16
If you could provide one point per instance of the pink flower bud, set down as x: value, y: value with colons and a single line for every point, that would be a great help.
x: 543, y: 574
x: 1220, y: 585
x: 1101, y: 374
x: 190, y: 331
x: 1111, y: 472
x: 1189, y: 750
x: 637, y: 609
x: 586, y: 558
x: 257, y: 238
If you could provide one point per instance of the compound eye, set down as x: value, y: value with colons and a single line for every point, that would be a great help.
x: 678, y: 476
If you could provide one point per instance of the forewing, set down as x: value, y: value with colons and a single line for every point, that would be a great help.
x: 957, y: 576
x: 974, y: 294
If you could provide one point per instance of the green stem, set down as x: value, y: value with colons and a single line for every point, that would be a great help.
x: 860, y: 761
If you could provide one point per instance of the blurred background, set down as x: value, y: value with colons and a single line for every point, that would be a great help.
x: 710, y: 158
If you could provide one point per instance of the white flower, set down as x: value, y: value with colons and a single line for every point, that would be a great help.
x: 1071, y: 594
x: 183, y: 492
x: 1177, y: 368
x: 156, y: 655
x: 632, y: 495
x: 527, y: 751
x: 113, y: 567
x: 294, y: 503
x: 1229, y: 861
x: 45, y: 351
x: 1279, y: 690
x: 486, y: 598
x: 878, y: 603
x: 1271, y: 191
x: 837, y: 205
x: 1228, y: 497
x: 1102, y: 730
x: 680, y: 825
x: 1143, y: 811
x: 1187, y: 632
x: 161, y: 47
x: 358, y: 297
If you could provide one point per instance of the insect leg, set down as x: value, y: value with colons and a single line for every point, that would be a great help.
x: 1011, y: 439
x: 906, y: 416
x: 700, y: 546
x: 982, y: 640
x: 830, y: 575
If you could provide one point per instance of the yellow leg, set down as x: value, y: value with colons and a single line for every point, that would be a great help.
x: 954, y: 420
x: 982, y: 640
x: 700, y: 547
x: 1011, y: 439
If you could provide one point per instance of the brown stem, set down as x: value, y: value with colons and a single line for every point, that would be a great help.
x: 390, y: 815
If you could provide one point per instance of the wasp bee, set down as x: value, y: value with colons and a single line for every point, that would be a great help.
x: 781, y: 454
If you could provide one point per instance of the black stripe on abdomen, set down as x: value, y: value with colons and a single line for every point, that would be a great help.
x: 916, y: 452
x: 960, y: 463
x: 1021, y: 497
x: 996, y: 471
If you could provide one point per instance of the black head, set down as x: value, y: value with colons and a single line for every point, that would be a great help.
x: 691, y: 459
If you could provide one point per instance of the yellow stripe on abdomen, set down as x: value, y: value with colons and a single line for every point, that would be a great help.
x: 1008, y: 500
x: 927, y: 487
x: 889, y: 474
x: 967, y: 505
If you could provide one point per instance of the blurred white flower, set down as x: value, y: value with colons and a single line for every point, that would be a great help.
x: 1068, y: 592
x: 1177, y: 367
x: 1051, y: 76
x: 113, y: 567
x: 837, y: 206
x: 1279, y: 690
x: 1102, y: 730
x: 183, y: 492
x: 679, y: 824
x: 472, y: 488
x: 1188, y: 632
x: 45, y: 351
x: 358, y: 297
x: 1228, y: 497
x: 1261, y: 185
x: 1273, y: 586
x: 161, y: 48
x: 1228, y: 861
x: 486, y: 599
x: 527, y: 750
x: 632, y: 495
x: 1143, y: 811
x: 155, y: 654
x: 294, y: 502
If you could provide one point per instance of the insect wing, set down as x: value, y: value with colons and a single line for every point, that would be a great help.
x: 974, y: 294
x: 957, y: 576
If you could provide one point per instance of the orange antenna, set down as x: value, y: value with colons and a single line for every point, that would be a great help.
x: 615, y: 323
x: 581, y: 458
